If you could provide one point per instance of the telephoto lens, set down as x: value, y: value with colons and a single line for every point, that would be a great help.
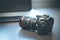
x: 43, y: 24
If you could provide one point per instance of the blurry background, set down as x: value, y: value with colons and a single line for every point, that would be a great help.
x: 39, y: 5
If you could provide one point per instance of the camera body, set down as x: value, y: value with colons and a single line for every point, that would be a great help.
x: 43, y: 24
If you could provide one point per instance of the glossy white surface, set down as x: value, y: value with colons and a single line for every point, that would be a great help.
x: 12, y: 31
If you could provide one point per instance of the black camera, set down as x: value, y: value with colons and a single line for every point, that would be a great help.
x: 43, y: 24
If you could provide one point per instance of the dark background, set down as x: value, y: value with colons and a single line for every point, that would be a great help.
x: 15, y: 5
